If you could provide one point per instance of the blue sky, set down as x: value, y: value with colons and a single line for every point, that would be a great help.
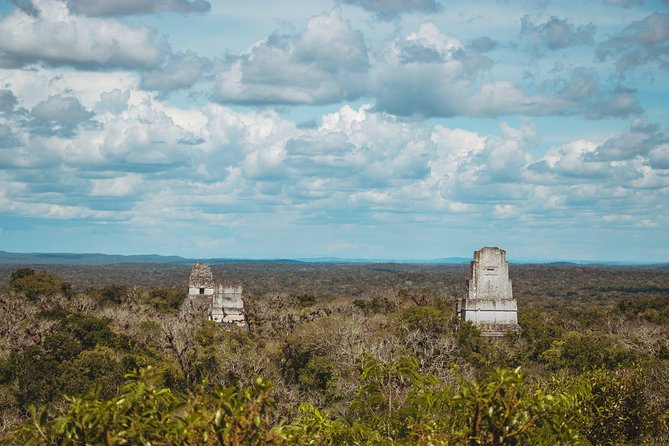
x: 403, y: 129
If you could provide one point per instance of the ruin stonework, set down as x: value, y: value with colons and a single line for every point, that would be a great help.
x: 219, y: 302
x: 489, y: 302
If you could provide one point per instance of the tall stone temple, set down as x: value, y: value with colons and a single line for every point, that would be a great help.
x: 220, y: 302
x: 489, y: 302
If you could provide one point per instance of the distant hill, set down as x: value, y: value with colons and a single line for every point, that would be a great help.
x: 84, y: 259
x: 37, y: 258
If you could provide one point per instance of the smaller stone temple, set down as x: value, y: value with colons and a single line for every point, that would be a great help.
x: 220, y: 302
x: 489, y: 302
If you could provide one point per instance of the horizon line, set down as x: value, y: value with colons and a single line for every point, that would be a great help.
x: 320, y: 259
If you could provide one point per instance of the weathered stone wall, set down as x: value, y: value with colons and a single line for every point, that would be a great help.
x: 490, y: 275
x: 496, y: 311
x: 219, y: 302
x: 201, y: 276
x: 489, y: 302
x: 228, y: 305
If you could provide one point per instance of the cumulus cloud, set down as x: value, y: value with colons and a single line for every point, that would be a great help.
x: 115, y: 187
x: 357, y: 164
x: 57, y: 37
x: 637, y: 140
x: 128, y: 7
x: 7, y: 100
x: 554, y: 34
x: 26, y: 6
x: 581, y: 93
x: 7, y: 138
x: 390, y: 9
x: 621, y: 163
x: 659, y: 156
x: 115, y: 101
x: 642, y: 42
x: 181, y: 71
x: 425, y: 73
x: 326, y: 63
x: 482, y: 44
x: 145, y: 136
x: 501, y: 161
x: 59, y: 116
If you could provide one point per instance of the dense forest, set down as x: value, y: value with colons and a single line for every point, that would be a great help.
x: 335, y: 354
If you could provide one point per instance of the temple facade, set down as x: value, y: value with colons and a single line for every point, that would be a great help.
x: 489, y: 302
x: 220, y: 302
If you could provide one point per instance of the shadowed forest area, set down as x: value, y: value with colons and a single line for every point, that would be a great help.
x: 336, y: 354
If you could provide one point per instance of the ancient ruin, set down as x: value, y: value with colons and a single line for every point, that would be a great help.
x: 220, y: 302
x: 489, y: 302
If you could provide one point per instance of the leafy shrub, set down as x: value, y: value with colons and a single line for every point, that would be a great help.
x: 653, y: 309
x: 37, y: 377
x: 426, y: 318
x: 617, y: 408
x: 319, y: 374
x: 114, y: 294
x: 91, y: 331
x: 143, y: 412
x: 397, y: 405
x: 98, y: 367
x: 62, y: 346
x: 166, y: 299
x: 304, y: 299
x: 33, y: 284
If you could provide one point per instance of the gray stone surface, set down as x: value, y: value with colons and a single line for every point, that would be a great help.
x: 489, y: 302
x: 220, y: 302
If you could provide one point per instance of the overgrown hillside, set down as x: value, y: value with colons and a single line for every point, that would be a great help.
x: 348, y: 354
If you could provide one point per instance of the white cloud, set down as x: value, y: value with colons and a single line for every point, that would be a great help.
x: 57, y: 37
x: 326, y: 63
x: 115, y: 187
x: 127, y: 7
x: 640, y: 43
x: 659, y: 156
x: 554, y: 34
x: 59, y: 115
x: 389, y: 9
x: 181, y: 71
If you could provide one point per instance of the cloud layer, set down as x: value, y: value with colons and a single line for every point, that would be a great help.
x: 362, y: 128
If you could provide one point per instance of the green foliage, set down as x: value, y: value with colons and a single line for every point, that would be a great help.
x: 7, y: 369
x: 114, y: 294
x: 368, y: 306
x: 335, y: 362
x: 505, y: 411
x: 91, y: 331
x: 653, y: 309
x: 617, y: 409
x: 61, y: 346
x: 37, y: 377
x: 396, y: 404
x: 426, y: 318
x: 319, y: 374
x: 145, y: 413
x: 539, y: 331
x: 472, y: 346
x: 166, y: 299
x: 20, y: 274
x: 33, y: 284
x: 99, y: 367
x: 585, y: 351
x: 304, y: 299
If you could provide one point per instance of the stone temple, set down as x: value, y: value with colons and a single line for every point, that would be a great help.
x: 489, y: 302
x: 220, y: 302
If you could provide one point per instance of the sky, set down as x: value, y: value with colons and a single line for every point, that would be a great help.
x: 379, y: 129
